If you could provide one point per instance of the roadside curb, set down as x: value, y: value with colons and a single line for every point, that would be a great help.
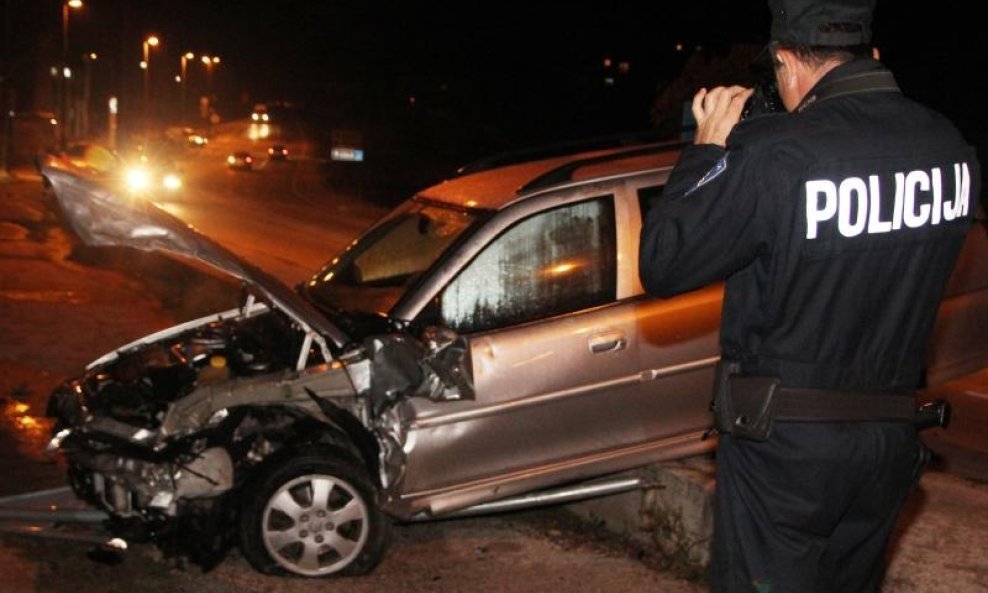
x: 937, y: 546
x: 671, y: 518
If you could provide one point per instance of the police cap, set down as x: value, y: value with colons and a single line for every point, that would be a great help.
x: 828, y: 23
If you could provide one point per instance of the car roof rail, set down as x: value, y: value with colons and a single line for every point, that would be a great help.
x: 564, y: 173
x: 561, y: 149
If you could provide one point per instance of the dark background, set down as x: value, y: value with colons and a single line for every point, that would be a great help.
x: 456, y: 80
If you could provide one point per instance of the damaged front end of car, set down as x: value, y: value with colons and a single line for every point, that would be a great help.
x: 173, y: 434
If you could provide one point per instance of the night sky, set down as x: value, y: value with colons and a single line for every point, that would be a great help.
x: 518, y: 63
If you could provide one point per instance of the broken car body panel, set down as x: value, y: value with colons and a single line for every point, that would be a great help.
x: 102, y: 217
x: 218, y: 387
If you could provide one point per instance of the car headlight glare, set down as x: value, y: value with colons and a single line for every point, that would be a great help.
x: 171, y: 181
x: 137, y: 179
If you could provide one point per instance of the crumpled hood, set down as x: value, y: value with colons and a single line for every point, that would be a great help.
x: 101, y: 217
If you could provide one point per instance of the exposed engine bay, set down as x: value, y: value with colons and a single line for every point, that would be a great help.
x: 164, y: 432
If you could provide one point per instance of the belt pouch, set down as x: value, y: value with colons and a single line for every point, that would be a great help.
x: 751, y: 406
x: 721, y: 404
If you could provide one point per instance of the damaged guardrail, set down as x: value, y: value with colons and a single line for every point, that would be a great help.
x: 57, y: 513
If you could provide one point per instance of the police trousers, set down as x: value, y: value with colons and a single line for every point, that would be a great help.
x: 810, y: 510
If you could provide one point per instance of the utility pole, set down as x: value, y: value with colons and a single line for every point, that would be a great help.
x: 63, y: 100
x: 65, y: 73
x: 6, y: 95
x: 184, y: 81
x: 87, y: 84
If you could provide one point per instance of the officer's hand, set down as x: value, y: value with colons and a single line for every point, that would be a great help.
x: 717, y: 111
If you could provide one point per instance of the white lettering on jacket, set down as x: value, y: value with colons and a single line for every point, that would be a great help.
x: 856, y: 202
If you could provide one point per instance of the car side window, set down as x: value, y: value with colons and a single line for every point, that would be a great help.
x: 554, y: 262
x: 647, y: 196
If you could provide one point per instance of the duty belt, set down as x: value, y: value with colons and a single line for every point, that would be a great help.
x: 823, y: 405
x: 746, y: 406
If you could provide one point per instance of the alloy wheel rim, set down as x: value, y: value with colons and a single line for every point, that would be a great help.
x: 315, y: 525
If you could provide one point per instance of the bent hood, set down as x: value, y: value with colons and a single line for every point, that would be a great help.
x: 101, y: 217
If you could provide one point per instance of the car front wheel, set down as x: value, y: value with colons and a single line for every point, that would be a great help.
x: 313, y: 515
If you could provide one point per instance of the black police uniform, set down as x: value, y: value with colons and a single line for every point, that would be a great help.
x: 836, y: 227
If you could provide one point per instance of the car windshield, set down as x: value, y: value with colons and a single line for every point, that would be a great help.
x: 376, y: 269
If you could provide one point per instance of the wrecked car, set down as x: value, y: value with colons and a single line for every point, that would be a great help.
x: 487, y: 345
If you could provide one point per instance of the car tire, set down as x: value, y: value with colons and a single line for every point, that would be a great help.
x: 313, y: 514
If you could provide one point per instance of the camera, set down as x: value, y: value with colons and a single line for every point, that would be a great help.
x: 766, y: 96
x: 764, y: 100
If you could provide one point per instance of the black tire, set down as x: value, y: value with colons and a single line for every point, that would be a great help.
x: 285, y: 529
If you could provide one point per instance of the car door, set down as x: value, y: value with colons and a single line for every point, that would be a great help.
x: 554, y: 354
x: 678, y: 344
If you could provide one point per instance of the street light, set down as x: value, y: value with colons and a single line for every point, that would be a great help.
x: 66, y: 5
x: 87, y: 63
x: 63, y: 83
x: 151, y: 41
x: 209, y: 62
x: 183, y: 80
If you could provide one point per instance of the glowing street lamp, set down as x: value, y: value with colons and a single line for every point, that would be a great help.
x: 87, y: 63
x: 66, y: 5
x: 149, y: 42
x: 183, y: 79
x: 63, y: 83
x: 209, y: 62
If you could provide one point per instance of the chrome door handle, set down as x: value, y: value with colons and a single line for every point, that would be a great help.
x: 611, y: 342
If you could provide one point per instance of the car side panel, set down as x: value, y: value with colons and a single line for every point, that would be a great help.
x: 606, y: 389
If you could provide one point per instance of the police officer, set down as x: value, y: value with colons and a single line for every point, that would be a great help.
x: 836, y: 225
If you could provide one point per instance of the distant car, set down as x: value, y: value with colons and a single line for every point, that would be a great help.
x: 259, y: 116
x: 145, y: 178
x: 278, y: 152
x: 197, y: 140
x: 193, y: 137
x: 138, y: 172
x: 240, y: 160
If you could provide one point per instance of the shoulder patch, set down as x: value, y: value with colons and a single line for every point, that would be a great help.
x: 719, y: 167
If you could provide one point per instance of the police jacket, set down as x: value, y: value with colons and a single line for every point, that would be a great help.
x: 836, y: 227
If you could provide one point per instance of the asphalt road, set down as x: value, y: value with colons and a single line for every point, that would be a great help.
x: 280, y: 215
